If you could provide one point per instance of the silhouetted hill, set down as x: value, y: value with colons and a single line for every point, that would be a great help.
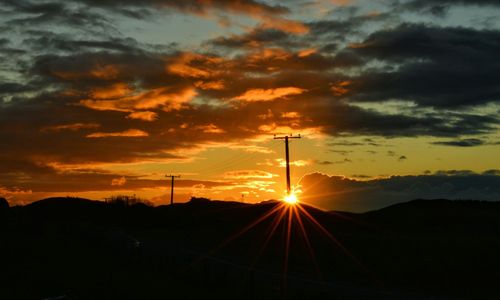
x: 441, y: 216
x: 76, y: 248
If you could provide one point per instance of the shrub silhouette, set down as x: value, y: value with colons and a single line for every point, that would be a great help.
x: 126, y: 201
x: 3, y: 204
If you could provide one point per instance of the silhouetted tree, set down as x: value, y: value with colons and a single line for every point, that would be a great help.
x: 199, y: 200
x: 3, y: 204
x: 126, y: 201
x: 4, y: 209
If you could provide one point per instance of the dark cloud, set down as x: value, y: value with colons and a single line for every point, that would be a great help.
x: 430, y: 66
x: 195, y: 6
x: 343, y: 28
x: 341, y: 193
x: 47, y: 42
x: 454, y: 172
x: 327, y: 162
x: 365, y: 122
x: 32, y: 13
x: 324, y: 162
x: 440, y: 7
x: 258, y: 37
x: 461, y: 143
x: 320, y: 36
x: 365, y: 142
x: 80, y: 15
x: 119, y: 89
x: 492, y: 172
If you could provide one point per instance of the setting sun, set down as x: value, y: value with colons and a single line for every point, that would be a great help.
x: 291, y: 199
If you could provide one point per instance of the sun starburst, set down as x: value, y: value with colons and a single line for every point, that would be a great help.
x: 291, y: 198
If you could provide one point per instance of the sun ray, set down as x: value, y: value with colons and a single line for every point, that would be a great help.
x: 287, y: 252
x: 270, y: 233
x: 332, y: 238
x: 307, y: 241
x: 238, y: 234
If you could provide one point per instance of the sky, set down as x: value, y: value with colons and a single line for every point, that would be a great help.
x: 394, y: 100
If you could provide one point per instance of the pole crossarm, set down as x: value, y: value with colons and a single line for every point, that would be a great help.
x: 172, y: 187
x: 284, y: 137
x: 287, y: 155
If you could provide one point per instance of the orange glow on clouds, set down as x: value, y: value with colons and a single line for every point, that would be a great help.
x: 119, y: 181
x: 114, y: 91
x: 306, y: 52
x: 210, y: 128
x: 72, y: 127
x: 143, y: 115
x: 297, y: 163
x: 194, y: 65
x: 210, y: 85
x: 340, y: 88
x: 126, y: 133
x: 285, y: 25
x: 269, y: 94
x: 159, y: 97
x: 246, y: 174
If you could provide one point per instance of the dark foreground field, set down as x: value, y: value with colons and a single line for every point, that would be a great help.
x: 80, y: 249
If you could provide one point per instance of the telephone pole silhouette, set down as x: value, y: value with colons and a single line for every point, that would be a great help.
x: 172, y: 187
x: 286, y: 138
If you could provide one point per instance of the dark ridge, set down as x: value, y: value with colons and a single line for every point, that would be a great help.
x: 77, y: 248
x: 64, y: 202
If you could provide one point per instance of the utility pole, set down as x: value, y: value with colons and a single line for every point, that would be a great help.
x: 287, y: 155
x: 172, y: 187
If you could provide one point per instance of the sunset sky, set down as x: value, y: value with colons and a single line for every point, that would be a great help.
x: 394, y: 100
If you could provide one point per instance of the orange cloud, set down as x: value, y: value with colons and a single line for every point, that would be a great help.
x: 306, y: 52
x: 164, y: 97
x: 194, y: 65
x: 126, y: 133
x: 268, y: 54
x: 72, y: 127
x: 119, y: 181
x: 290, y: 115
x: 286, y: 25
x: 247, y: 174
x: 298, y: 163
x: 210, y: 85
x: 160, y: 97
x: 340, y: 89
x: 143, y: 115
x: 210, y: 128
x: 269, y: 94
x: 117, y: 90
x: 275, y: 128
